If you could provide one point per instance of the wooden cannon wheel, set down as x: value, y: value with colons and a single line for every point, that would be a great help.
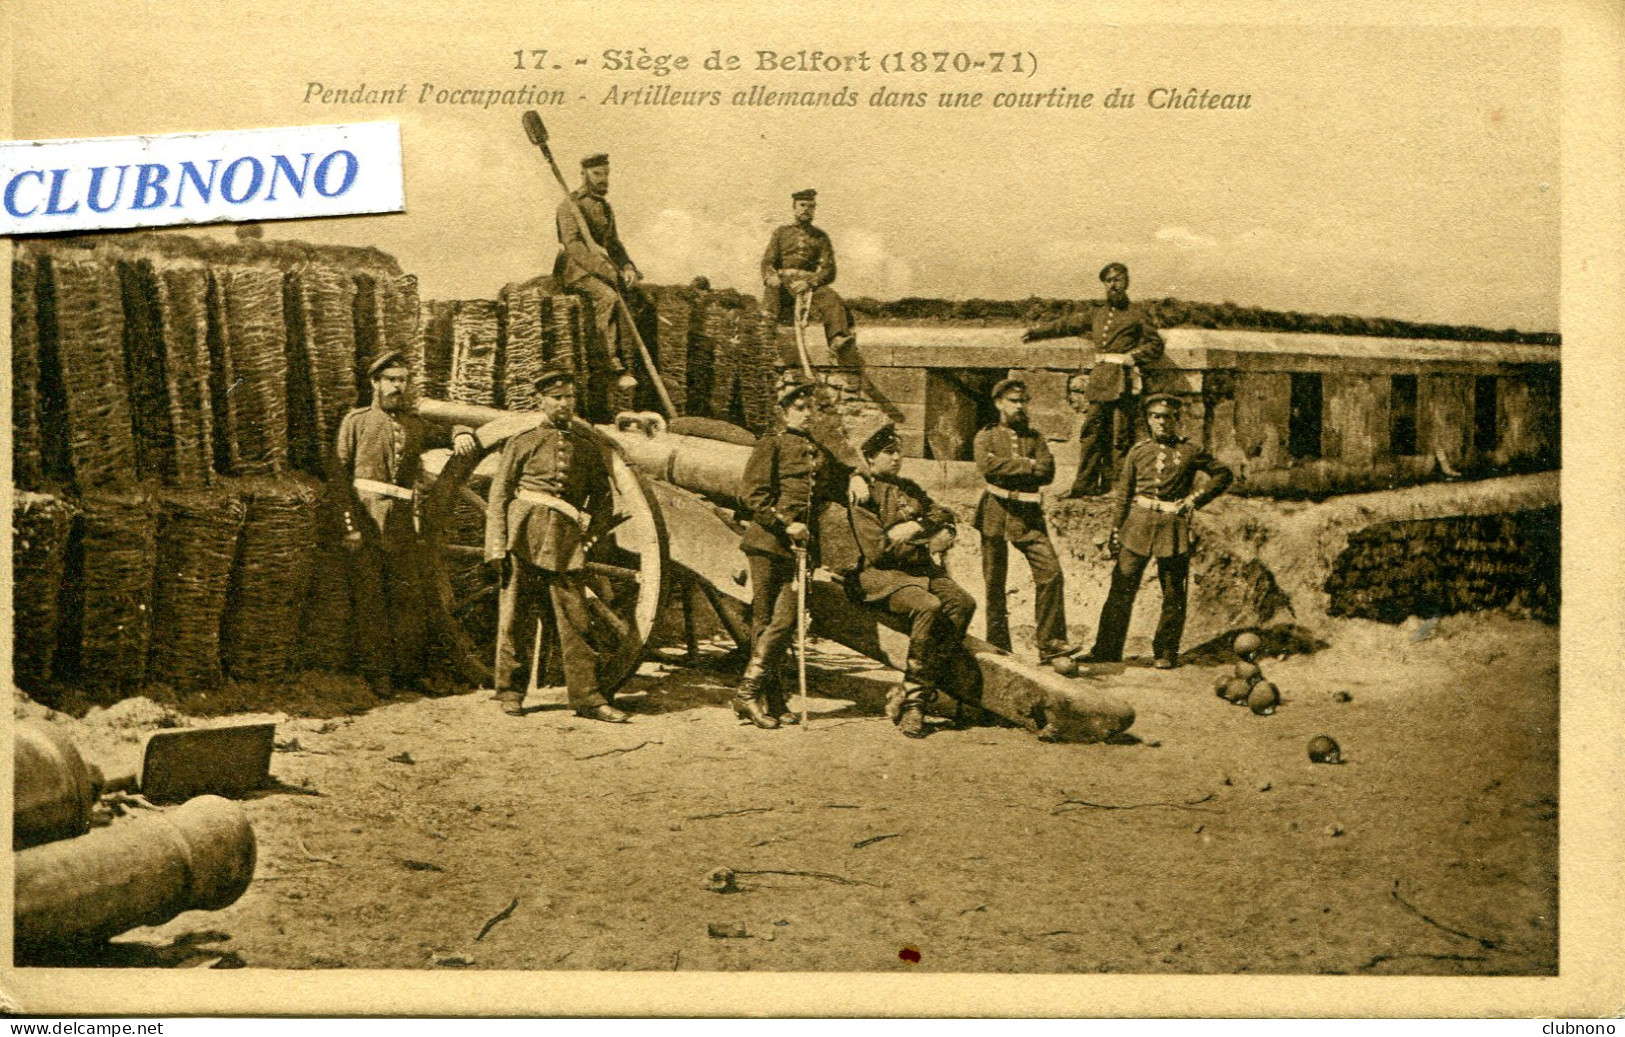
x: 627, y: 570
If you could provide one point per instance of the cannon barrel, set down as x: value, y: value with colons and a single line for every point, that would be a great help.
x: 140, y: 871
x: 704, y: 541
x: 53, y: 787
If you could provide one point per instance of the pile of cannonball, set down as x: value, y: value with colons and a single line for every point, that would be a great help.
x: 1244, y: 684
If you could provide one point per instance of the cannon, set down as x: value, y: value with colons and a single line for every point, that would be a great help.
x: 675, y: 494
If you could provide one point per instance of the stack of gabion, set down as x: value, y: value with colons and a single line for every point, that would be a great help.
x: 150, y: 419
x: 324, y: 621
x: 40, y: 524
x: 108, y: 588
x: 1245, y: 685
x: 260, y: 630
x: 325, y: 301
x: 197, y: 541
x: 756, y: 374
x: 722, y: 339
x: 433, y: 347
x: 1442, y: 566
x: 255, y: 367
x: 674, y: 316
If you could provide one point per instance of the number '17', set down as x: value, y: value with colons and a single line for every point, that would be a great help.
x: 536, y: 58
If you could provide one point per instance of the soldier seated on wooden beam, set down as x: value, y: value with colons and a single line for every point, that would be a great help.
x: 904, y: 538
x: 799, y: 267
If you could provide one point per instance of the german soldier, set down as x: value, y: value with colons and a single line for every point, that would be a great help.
x: 550, y: 500
x: 800, y: 260
x: 593, y: 262
x: 1016, y: 463
x: 904, y: 537
x: 1155, y: 497
x: 1124, y: 338
x: 788, y: 482
x: 374, y: 484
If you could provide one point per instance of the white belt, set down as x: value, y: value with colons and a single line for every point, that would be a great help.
x: 385, y: 489
x: 1170, y: 507
x: 1020, y: 495
x: 558, y: 504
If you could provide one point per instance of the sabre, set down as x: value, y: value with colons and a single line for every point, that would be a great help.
x: 536, y: 130
x: 803, y: 309
x: 801, y: 629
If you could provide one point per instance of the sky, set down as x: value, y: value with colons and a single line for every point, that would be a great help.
x: 1404, y: 172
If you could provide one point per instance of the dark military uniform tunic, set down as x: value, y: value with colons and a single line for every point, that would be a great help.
x: 789, y: 478
x: 1017, y: 464
x: 1154, y: 478
x: 582, y: 269
x: 551, y: 493
x: 809, y: 249
x: 904, y: 577
x: 382, y: 451
x: 1113, y: 389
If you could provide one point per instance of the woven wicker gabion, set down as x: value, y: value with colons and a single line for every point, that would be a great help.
x: 184, y: 319
x: 725, y: 336
x: 757, y: 375
x: 259, y: 635
x: 326, y: 298
x: 400, y: 315
x: 150, y: 418
x: 27, y: 466
x: 432, y: 378
x: 474, y: 353
x: 523, y: 346
x: 82, y: 338
x: 107, y: 598
x: 197, y: 541
x: 256, y: 368
x: 674, y: 316
x: 40, y: 524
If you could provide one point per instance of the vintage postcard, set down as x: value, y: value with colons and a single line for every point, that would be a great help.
x: 632, y: 509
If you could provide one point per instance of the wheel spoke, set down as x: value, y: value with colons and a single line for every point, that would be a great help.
x: 470, y: 497
x: 615, y: 572
x: 474, y: 599
x: 463, y: 550
x: 622, y: 632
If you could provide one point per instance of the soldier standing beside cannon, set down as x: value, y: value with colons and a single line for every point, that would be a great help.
x: 593, y: 262
x: 374, y: 485
x: 550, y: 500
x: 800, y: 261
x: 1155, y: 497
x: 903, y: 536
x: 1016, y: 463
x: 1124, y: 338
x: 788, y: 482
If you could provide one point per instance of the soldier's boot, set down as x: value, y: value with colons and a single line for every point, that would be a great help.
x: 778, y: 705
x: 749, y: 701
x: 911, y: 717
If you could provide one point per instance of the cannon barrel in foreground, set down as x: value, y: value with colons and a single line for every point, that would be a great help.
x: 140, y: 871
x: 692, y: 476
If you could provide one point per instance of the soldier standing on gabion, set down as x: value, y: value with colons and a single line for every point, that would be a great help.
x: 375, y: 474
x: 788, y: 481
x: 599, y: 272
x: 1155, y: 498
x: 1016, y: 463
x: 1124, y: 338
x: 550, y: 499
x: 800, y: 260
x: 904, y: 537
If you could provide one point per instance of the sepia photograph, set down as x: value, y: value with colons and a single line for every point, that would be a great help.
x: 652, y: 510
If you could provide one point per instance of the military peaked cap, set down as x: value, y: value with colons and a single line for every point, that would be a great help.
x: 882, y: 439
x: 393, y: 358
x: 599, y: 159
x: 807, y: 195
x: 1007, y: 386
x: 794, y: 386
x: 1166, y: 399
x: 553, y: 376
x: 1110, y: 268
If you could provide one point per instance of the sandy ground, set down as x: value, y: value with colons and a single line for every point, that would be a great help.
x: 1206, y: 842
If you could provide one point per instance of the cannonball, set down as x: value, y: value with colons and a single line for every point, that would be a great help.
x: 1248, y: 671
x: 1324, y: 749
x: 1221, y: 684
x: 1247, y: 645
x: 1264, y: 698
x: 1064, y: 665
x: 1236, y: 690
